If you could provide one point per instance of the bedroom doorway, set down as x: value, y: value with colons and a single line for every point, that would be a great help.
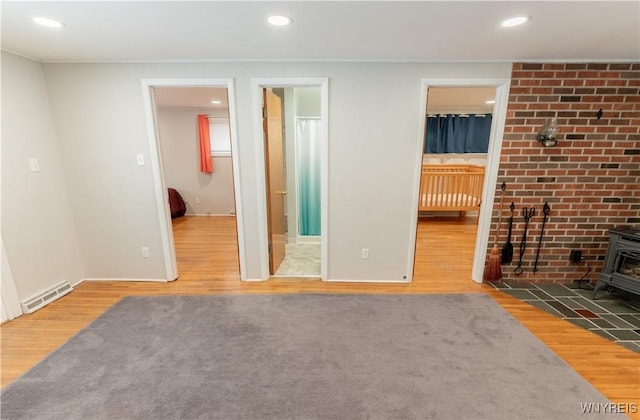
x: 460, y: 143
x: 194, y: 136
x: 294, y: 140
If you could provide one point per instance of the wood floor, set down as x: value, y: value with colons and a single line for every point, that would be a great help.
x: 208, y: 264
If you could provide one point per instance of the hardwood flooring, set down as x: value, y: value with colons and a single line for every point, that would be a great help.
x: 208, y: 264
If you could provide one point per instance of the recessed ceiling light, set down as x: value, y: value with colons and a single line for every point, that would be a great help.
x: 279, y: 20
x: 47, y: 22
x: 216, y: 102
x: 490, y: 102
x: 515, y: 21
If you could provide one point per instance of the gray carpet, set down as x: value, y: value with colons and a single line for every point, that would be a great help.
x: 302, y: 356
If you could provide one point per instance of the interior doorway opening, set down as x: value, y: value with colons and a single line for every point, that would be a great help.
x: 294, y: 140
x: 178, y: 112
x: 200, y: 183
x: 457, y: 169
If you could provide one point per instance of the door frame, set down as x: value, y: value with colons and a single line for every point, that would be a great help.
x: 162, y: 199
x: 491, y: 170
x: 8, y: 294
x: 257, y: 84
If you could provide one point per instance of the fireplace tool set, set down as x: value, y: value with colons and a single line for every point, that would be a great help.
x: 528, y: 213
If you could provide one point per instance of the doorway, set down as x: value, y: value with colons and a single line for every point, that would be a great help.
x: 449, y: 104
x: 173, y: 110
x: 294, y: 141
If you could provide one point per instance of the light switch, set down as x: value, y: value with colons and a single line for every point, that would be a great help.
x: 34, y: 165
x: 140, y: 159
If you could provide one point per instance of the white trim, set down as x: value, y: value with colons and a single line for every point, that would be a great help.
x: 257, y: 84
x: 491, y: 170
x: 77, y: 283
x: 11, y: 307
x: 166, y: 232
x: 370, y: 281
x: 338, y: 60
x: 210, y: 214
x: 490, y: 179
x: 126, y: 279
x: 308, y: 239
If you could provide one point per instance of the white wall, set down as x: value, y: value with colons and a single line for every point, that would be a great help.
x: 290, y: 164
x: 38, y: 228
x: 181, y: 164
x: 374, y: 130
x: 307, y: 102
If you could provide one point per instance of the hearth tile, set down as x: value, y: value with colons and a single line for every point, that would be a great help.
x: 602, y: 323
x: 624, y: 334
x: 517, y: 285
x: 567, y: 312
x: 587, y: 313
x: 499, y: 285
x: 631, y: 345
x: 540, y: 294
x: 570, y: 303
x: 588, y: 304
x: 631, y: 320
x: 602, y: 295
x: 544, y: 306
x: 616, y: 321
x: 520, y: 294
x: 616, y: 307
x: 556, y: 290
x: 603, y: 333
x: 581, y: 322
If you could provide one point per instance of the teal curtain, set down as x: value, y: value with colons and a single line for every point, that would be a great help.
x: 308, y: 167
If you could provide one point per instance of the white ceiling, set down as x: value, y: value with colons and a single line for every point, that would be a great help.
x: 323, y: 30
x: 191, y: 97
x: 460, y: 99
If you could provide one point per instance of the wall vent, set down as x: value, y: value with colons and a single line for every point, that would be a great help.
x: 45, y: 297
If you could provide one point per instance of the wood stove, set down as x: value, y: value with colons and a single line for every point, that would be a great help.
x: 622, y: 262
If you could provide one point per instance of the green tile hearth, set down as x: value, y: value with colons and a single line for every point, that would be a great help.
x: 610, y: 315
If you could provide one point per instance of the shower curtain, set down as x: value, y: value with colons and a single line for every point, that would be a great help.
x: 308, y: 169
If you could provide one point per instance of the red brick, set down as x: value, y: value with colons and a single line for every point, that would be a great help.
x: 608, y: 74
x: 581, y: 184
x: 573, y: 82
x: 596, y: 82
x: 587, y: 74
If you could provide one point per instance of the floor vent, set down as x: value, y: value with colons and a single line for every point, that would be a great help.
x: 46, y: 297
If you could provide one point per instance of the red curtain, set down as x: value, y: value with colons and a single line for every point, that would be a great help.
x: 206, y: 165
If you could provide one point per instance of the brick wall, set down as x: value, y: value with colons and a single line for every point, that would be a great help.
x: 591, y: 179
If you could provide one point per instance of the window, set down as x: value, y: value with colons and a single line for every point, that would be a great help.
x: 220, y: 136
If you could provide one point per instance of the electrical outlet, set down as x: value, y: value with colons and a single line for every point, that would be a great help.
x: 365, y: 254
x: 575, y: 255
x: 197, y: 200
x: 34, y: 165
x: 145, y: 252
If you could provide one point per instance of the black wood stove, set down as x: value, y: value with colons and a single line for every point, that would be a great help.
x: 622, y: 262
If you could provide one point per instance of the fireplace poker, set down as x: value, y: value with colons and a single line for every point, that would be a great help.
x: 507, y: 249
x: 546, y: 209
x: 528, y: 215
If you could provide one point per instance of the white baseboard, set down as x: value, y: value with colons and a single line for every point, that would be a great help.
x: 77, y: 282
x: 368, y: 281
x: 211, y: 215
x: 128, y: 279
x: 309, y: 239
x: 255, y: 280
